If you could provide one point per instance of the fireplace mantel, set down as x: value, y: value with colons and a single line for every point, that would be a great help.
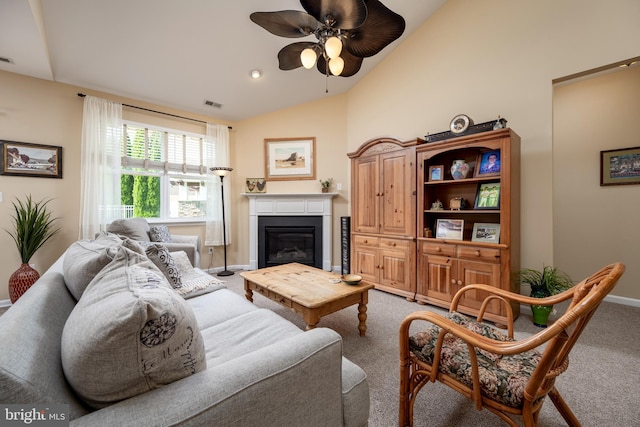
x: 291, y: 204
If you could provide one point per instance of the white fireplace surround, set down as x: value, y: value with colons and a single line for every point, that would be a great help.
x: 316, y: 204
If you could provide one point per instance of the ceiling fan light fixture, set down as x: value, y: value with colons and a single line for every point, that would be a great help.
x: 308, y: 57
x: 336, y: 65
x: 333, y: 47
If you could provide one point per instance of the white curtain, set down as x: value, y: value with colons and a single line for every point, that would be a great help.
x: 219, y: 156
x: 99, y: 165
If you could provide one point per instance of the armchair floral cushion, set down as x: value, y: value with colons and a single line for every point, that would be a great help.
x: 502, y: 378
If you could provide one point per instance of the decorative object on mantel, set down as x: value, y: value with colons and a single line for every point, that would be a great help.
x: 470, y: 130
x: 256, y: 185
x: 33, y: 227
x: 326, y: 184
x: 222, y: 171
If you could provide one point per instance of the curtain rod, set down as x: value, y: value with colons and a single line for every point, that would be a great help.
x: 82, y: 95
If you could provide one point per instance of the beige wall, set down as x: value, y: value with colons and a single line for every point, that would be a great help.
x: 594, y: 225
x: 495, y: 57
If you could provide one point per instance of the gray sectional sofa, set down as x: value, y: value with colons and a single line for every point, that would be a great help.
x: 258, y: 368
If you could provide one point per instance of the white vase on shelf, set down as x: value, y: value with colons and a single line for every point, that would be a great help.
x: 459, y: 169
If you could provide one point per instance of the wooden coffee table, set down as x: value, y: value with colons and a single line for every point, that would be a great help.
x: 308, y: 290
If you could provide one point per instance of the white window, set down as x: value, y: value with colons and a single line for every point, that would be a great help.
x: 163, y: 173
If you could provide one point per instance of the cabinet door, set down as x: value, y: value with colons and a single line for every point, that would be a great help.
x: 437, y: 277
x: 396, y: 269
x: 472, y: 272
x: 365, y: 262
x: 366, y: 195
x: 397, y: 186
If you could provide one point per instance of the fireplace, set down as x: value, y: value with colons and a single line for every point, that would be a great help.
x: 263, y: 205
x: 285, y: 239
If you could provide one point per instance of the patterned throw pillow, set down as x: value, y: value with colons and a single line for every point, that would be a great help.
x: 129, y: 333
x: 160, y: 233
x: 160, y: 256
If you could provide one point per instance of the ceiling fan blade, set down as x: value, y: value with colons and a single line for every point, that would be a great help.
x: 382, y: 27
x: 289, y: 56
x: 348, y: 14
x: 352, y: 64
x: 286, y: 23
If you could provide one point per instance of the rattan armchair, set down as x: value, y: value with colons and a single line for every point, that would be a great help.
x: 506, y: 376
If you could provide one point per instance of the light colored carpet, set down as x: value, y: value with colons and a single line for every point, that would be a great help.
x: 601, y: 384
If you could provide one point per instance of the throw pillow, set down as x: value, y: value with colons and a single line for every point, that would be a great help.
x: 160, y: 256
x: 128, y: 334
x: 195, y: 282
x: 160, y: 233
x: 85, y: 258
x: 133, y: 228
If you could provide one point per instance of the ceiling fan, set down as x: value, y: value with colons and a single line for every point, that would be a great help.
x: 347, y: 31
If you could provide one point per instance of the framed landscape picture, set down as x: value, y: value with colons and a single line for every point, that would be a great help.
x: 488, y: 196
x: 26, y: 159
x: 288, y: 159
x: 488, y: 233
x: 449, y: 229
x: 620, y: 167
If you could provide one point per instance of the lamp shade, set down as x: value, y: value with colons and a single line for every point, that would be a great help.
x: 333, y: 47
x: 221, y: 170
x: 308, y: 58
x: 336, y: 65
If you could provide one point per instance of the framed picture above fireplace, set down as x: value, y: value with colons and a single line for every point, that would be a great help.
x: 288, y: 159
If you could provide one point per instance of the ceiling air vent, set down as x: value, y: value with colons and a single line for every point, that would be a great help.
x: 213, y: 104
x: 7, y: 60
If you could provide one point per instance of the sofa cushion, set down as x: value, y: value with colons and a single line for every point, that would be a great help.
x: 129, y: 333
x: 160, y: 233
x: 134, y: 228
x: 195, y: 282
x: 160, y: 256
x: 85, y: 258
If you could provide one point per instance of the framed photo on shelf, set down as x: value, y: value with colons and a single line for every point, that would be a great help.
x: 26, y: 159
x: 449, y: 229
x: 488, y: 233
x: 488, y: 196
x: 488, y: 163
x: 620, y: 167
x: 290, y: 159
x: 436, y: 173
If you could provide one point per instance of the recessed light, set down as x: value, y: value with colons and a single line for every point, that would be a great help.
x: 255, y: 74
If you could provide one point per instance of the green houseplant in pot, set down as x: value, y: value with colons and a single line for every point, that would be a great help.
x: 33, y: 226
x: 544, y: 283
x: 326, y: 184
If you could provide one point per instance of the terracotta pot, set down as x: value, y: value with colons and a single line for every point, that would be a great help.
x: 325, y: 190
x: 21, y: 280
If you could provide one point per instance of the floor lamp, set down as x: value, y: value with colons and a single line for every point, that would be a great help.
x: 222, y: 171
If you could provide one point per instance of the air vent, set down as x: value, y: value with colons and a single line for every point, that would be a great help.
x: 7, y: 60
x: 213, y: 104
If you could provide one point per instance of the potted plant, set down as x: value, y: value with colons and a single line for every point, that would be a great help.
x: 33, y: 226
x: 326, y: 184
x: 550, y: 281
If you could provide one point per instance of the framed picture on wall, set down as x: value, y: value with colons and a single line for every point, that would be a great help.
x: 620, y: 167
x: 26, y: 159
x: 288, y: 159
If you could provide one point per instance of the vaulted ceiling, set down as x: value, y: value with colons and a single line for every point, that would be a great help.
x: 177, y: 54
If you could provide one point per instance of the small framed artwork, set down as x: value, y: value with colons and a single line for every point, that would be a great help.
x: 436, y: 173
x: 289, y: 159
x: 256, y: 185
x: 488, y: 163
x: 488, y: 233
x: 26, y: 159
x: 449, y: 229
x: 488, y: 196
x: 620, y: 167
